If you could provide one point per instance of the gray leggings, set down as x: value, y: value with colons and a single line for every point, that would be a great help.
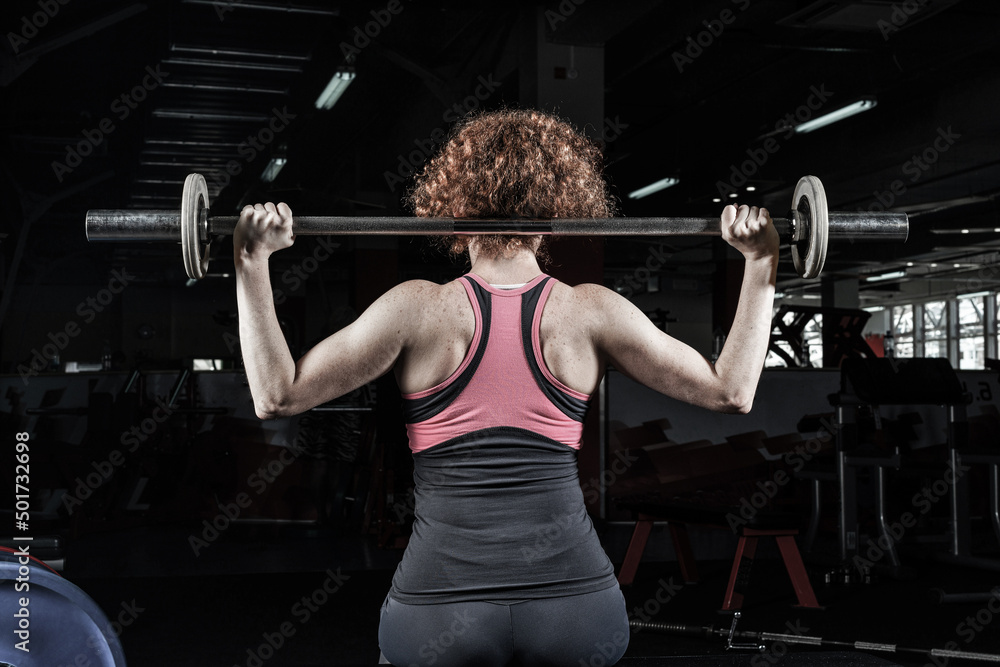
x: 589, y: 630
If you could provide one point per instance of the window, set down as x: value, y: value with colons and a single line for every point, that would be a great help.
x: 971, y: 333
x: 812, y: 341
x: 965, y: 330
x: 902, y: 330
x: 812, y: 344
x: 936, y: 329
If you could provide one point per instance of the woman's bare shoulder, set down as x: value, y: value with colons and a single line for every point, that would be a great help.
x: 419, y: 293
x: 430, y: 305
x: 589, y: 297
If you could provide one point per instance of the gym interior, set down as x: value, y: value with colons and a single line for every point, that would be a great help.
x: 851, y: 518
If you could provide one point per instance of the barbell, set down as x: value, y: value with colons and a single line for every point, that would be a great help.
x: 807, y: 229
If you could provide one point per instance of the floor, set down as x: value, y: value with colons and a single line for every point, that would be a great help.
x: 259, y: 597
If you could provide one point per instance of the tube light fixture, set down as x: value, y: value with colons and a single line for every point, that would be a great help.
x: 886, y: 276
x: 834, y: 116
x: 661, y: 184
x: 338, y: 84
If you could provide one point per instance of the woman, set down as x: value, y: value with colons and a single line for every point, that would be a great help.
x: 496, y: 370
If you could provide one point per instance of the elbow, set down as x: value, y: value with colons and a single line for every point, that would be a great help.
x: 742, y: 408
x: 268, y: 410
x: 737, y: 404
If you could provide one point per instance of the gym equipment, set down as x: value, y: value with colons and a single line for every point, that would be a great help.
x: 757, y: 639
x: 64, y: 625
x: 808, y: 229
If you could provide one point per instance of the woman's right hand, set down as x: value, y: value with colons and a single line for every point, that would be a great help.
x: 262, y: 229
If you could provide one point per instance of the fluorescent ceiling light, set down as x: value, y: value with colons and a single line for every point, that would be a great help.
x: 338, y: 84
x: 272, y: 169
x: 974, y: 295
x: 662, y: 184
x: 834, y: 116
x: 874, y: 309
x: 886, y: 276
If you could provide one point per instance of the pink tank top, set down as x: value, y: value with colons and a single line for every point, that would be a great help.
x: 503, y: 380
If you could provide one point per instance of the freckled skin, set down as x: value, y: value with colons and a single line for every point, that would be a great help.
x: 422, y: 331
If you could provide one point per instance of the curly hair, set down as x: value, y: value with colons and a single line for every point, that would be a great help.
x: 512, y: 163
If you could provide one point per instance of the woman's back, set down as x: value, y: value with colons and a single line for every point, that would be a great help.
x: 499, y: 512
x: 444, y: 330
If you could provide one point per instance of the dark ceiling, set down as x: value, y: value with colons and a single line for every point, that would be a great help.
x: 691, y: 90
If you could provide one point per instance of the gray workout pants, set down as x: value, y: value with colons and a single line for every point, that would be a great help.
x: 589, y: 630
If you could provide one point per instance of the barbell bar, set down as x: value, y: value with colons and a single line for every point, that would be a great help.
x: 791, y: 639
x: 808, y: 228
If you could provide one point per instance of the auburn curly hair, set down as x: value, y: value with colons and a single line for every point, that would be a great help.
x: 512, y: 163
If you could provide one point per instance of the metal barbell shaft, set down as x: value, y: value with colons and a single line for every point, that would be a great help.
x: 165, y: 225
x: 807, y: 229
